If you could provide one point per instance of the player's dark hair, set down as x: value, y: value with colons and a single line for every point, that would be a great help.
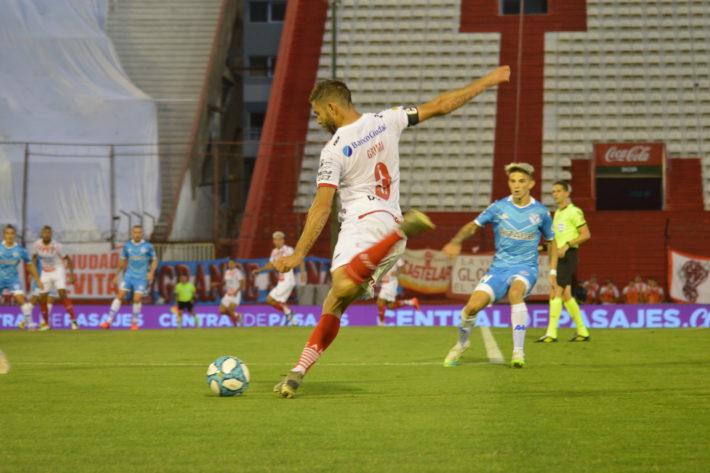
x: 10, y: 226
x: 331, y: 89
x: 46, y: 227
x: 565, y: 184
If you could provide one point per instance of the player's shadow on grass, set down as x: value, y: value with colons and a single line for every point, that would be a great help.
x: 329, y: 388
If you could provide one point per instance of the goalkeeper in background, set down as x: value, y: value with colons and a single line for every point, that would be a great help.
x: 571, y: 230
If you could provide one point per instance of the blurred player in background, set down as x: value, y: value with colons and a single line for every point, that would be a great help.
x: 591, y: 290
x: 635, y: 291
x: 185, y: 298
x: 11, y: 256
x: 53, y: 276
x: 138, y: 263
x: 571, y: 230
x: 608, y: 293
x: 287, y: 281
x: 361, y: 162
x: 519, y: 221
x: 387, y: 298
x: 654, y: 293
x: 234, y: 283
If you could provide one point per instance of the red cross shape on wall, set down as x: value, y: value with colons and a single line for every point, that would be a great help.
x: 521, y: 108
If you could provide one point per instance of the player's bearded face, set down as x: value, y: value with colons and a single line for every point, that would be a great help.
x: 9, y: 235
x: 324, y: 117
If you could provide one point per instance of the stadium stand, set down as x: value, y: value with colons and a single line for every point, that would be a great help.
x: 165, y: 47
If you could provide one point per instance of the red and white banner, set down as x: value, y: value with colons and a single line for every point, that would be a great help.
x: 689, y: 277
x: 629, y: 154
x: 425, y: 271
x: 469, y: 269
x: 95, y: 269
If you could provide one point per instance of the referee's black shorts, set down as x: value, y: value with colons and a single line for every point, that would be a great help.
x: 567, y: 268
x: 185, y: 306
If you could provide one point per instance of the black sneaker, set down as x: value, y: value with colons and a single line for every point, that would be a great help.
x: 546, y: 339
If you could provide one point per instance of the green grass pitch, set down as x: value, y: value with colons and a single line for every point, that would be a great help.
x: 379, y: 400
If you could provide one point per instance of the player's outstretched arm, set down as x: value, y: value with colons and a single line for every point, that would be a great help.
x: 450, y: 101
x: 453, y: 248
x: 32, y: 268
x: 315, y: 221
x: 267, y: 267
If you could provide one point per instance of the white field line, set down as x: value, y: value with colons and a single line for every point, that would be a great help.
x: 492, y: 350
x: 186, y: 364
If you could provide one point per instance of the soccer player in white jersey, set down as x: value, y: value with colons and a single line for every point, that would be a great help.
x: 287, y: 281
x: 234, y: 283
x: 11, y: 256
x: 518, y: 221
x: 50, y: 254
x: 387, y: 298
x: 361, y: 162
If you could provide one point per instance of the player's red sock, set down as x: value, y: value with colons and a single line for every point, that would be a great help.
x: 363, y: 264
x: 320, y: 339
x: 69, y: 308
x: 45, y: 312
x: 381, y: 313
x: 277, y: 305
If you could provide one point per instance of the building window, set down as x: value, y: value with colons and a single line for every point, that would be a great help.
x: 258, y: 12
x: 532, y: 7
x: 278, y: 11
x: 267, y: 11
x: 256, y: 123
x: 262, y: 66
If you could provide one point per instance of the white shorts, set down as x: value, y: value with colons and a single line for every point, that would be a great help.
x: 231, y: 300
x: 53, y: 280
x: 282, y: 291
x: 388, y: 290
x: 360, y: 234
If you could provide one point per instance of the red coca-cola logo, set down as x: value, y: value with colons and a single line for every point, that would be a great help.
x: 633, y: 154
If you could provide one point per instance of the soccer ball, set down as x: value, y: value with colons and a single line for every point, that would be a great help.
x: 228, y: 376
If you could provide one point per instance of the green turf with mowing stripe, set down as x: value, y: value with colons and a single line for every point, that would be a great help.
x: 378, y: 401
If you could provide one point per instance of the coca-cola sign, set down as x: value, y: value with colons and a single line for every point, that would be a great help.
x: 629, y: 154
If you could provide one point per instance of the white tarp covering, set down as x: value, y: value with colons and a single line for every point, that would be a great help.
x: 62, y: 87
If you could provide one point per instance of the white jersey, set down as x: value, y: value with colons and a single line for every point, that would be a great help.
x: 50, y: 256
x: 362, y: 162
x: 277, y: 253
x: 233, y: 281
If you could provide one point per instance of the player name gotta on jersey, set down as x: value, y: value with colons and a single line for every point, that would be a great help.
x: 362, y: 161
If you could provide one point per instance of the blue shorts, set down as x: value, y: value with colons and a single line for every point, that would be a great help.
x: 134, y: 284
x: 497, y: 281
x: 13, y: 285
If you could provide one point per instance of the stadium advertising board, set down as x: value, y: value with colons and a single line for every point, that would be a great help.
x: 595, y: 316
x: 469, y: 269
x: 612, y: 159
x: 689, y: 277
x: 425, y: 271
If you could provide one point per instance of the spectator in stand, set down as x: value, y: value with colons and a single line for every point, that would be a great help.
x: 654, y: 293
x: 634, y: 292
x: 591, y: 289
x: 608, y: 293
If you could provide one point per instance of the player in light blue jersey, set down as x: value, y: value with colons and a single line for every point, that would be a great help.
x: 519, y: 221
x: 11, y: 256
x: 138, y: 263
